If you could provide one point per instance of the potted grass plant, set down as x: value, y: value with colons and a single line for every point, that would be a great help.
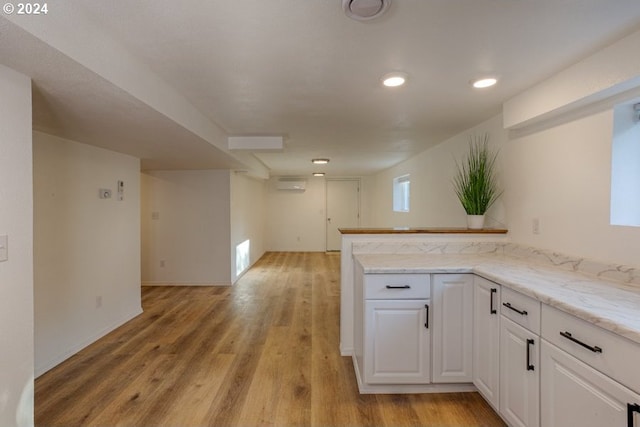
x: 475, y: 181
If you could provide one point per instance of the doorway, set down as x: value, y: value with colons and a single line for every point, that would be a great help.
x: 343, y: 209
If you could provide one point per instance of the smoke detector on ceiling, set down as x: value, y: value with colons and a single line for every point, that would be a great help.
x: 363, y: 10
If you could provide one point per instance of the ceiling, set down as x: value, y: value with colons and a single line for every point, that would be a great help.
x: 303, y: 70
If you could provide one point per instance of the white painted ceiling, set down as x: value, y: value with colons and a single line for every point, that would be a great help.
x: 302, y: 69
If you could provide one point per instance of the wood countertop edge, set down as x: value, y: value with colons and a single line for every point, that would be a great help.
x: 426, y: 230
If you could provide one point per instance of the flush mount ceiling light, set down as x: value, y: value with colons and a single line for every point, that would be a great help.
x: 320, y: 161
x: 394, y: 79
x: 363, y: 10
x: 318, y: 174
x: 484, y: 82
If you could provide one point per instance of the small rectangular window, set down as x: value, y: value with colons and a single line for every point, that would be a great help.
x: 625, y: 165
x: 401, y: 190
x: 242, y: 257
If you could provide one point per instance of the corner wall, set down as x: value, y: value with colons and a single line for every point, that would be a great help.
x: 248, y: 217
x: 185, y: 227
x: 87, y: 249
x: 16, y: 274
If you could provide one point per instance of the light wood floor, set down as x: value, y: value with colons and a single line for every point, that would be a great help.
x: 264, y: 352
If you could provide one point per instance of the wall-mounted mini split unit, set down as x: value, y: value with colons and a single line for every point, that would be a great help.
x: 291, y: 184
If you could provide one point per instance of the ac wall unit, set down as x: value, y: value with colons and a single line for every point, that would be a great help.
x: 291, y: 184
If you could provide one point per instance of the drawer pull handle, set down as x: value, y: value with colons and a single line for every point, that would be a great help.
x: 631, y: 408
x: 568, y: 336
x: 398, y: 287
x: 530, y: 367
x: 491, y: 307
x: 510, y: 307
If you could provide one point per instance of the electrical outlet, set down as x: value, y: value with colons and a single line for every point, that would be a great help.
x: 99, y: 301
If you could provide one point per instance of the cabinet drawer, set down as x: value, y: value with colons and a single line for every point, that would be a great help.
x: 607, y: 352
x: 523, y: 310
x: 397, y: 286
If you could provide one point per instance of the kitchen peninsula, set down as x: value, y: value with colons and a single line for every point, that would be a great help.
x: 536, y: 332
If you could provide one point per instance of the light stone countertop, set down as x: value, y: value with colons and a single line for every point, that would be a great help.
x: 614, y: 306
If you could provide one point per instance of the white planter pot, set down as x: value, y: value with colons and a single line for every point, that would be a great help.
x: 475, y: 222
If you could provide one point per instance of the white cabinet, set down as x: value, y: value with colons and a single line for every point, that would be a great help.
x: 589, y: 375
x: 519, y: 368
x: 575, y: 394
x: 486, y: 339
x: 452, y: 297
x: 392, y: 331
x: 519, y: 375
x: 396, y: 342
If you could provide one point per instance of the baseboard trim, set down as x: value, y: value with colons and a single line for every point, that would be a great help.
x: 52, y: 363
x: 185, y: 284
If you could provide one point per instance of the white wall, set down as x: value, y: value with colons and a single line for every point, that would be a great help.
x: 248, y: 217
x: 16, y: 274
x: 433, y: 202
x: 86, y: 248
x: 192, y: 232
x: 296, y: 219
x: 562, y: 176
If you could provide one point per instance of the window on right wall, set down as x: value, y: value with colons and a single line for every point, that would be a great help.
x: 401, y: 193
x: 625, y: 165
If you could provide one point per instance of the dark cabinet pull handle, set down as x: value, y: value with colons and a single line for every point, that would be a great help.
x: 398, y: 287
x: 521, y: 312
x: 530, y: 367
x: 568, y: 336
x: 631, y: 408
x: 491, y: 307
x: 426, y: 321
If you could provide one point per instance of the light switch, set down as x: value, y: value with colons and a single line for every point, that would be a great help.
x: 120, y: 190
x: 4, y: 248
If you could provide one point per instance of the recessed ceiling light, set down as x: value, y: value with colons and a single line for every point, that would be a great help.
x: 318, y: 174
x: 484, y: 82
x: 363, y: 10
x: 394, y: 79
x: 320, y: 161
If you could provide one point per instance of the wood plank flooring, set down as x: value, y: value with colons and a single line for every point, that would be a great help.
x: 261, y: 353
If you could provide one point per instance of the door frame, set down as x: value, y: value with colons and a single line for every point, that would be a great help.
x: 326, y: 207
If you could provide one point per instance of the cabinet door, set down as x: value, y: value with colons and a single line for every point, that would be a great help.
x: 397, y: 342
x: 486, y: 339
x: 519, y: 375
x: 575, y: 394
x: 452, y: 297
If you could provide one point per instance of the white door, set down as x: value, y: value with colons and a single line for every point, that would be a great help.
x: 519, y: 375
x: 396, y: 342
x: 575, y: 394
x: 343, y: 209
x: 452, y: 296
x: 486, y: 339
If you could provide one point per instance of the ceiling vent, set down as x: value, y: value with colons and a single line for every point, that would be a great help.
x: 363, y: 10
